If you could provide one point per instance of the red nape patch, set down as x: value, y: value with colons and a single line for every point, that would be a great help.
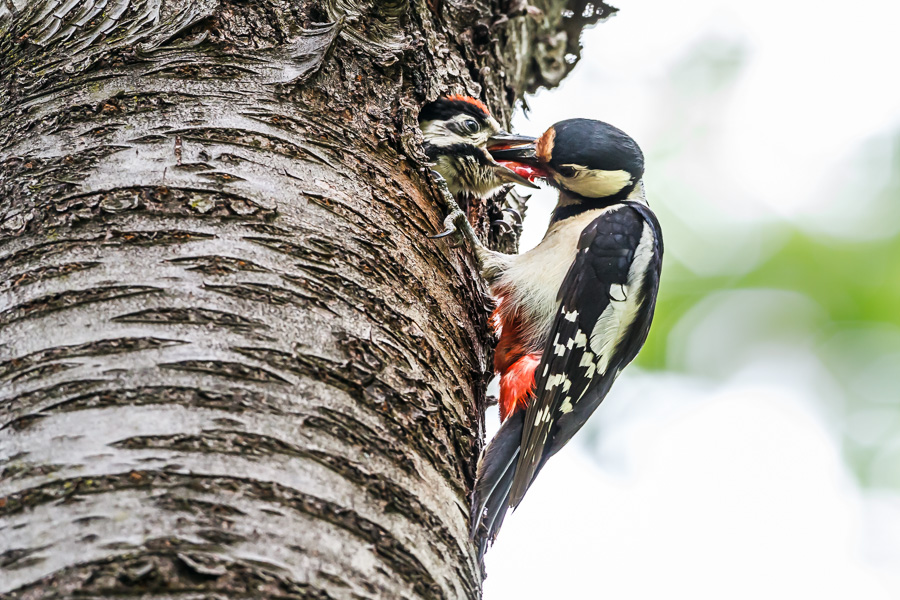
x: 517, y: 384
x: 470, y: 100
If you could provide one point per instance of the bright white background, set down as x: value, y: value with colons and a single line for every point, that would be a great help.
x: 725, y: 480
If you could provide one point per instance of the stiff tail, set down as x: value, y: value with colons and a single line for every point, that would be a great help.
x: 496, y: 471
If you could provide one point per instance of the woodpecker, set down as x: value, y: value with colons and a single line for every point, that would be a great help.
x: 573, y: 311
x: 459, y: 131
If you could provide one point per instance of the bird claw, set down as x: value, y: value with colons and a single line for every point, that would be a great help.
x: 511, y: 221
x: 441, y: 184
x: 516, y: 215
x: 450, y: 228
x: 503, y: 224
x: 456, y: 223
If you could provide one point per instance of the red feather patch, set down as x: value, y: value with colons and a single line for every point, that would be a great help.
x: 529, y: 172
x: 517, y: 385
x: 470, y: 100
x: 512, y: 361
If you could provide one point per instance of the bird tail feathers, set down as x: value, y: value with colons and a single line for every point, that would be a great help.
x: 496, y: 471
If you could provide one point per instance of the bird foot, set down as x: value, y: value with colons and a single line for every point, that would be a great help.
x: 503, y: 225
x: 513, y: 214
x: 457, y: 222
x: 451, y: 228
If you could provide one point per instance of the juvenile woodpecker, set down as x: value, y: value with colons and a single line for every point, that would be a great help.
x: 459, y: 132
x: 573, y: 311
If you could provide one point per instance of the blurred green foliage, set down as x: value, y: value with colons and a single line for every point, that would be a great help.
x: 794, y: 293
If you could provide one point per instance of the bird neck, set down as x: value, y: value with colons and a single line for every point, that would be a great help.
x: 570, y: 204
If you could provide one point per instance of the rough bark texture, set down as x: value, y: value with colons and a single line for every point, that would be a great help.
x: 231, y: 363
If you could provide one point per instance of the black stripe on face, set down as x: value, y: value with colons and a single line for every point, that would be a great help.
x: 444, y: 109
x: 457, y: 151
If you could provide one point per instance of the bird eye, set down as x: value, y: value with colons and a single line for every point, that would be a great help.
x: 566, y: 171
x: 468, y: 126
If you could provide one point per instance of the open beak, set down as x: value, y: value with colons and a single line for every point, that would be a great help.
x: 522, y: 153
x: 520, y: 158
x: 509, y: 174
x: 503, y: 139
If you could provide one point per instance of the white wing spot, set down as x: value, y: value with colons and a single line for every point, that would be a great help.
x: 543, y: 414
x: 571, y: 316
x: 566, y: 406
x: 580, y: 339
x: 586, y: 359
x: 555, y: 380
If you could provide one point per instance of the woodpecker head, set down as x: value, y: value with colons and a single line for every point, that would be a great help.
x: 459, y: 131
x: 584, y: 158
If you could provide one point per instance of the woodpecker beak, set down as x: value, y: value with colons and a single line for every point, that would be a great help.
x: 508, y: 173
x: 523, y: 153
x: 503, y: 139
x: 505, y: 173
x: 520, y: 158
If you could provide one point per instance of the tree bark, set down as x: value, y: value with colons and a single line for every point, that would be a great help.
x: 231, y: 363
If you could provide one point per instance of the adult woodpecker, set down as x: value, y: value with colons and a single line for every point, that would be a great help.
x: 459, y: 132
x: 573, y: 311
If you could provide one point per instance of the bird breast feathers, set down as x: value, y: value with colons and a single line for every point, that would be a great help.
x: 535, y: 277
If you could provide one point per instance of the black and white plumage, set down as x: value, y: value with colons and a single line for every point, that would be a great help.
x: 459, y: 132
x: 575, y: 310
x: 606, y: 305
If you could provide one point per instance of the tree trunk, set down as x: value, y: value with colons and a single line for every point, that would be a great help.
x: 230, y: 360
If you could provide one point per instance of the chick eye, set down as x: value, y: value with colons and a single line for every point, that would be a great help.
x: 566, y: 171
x: 468, y: 126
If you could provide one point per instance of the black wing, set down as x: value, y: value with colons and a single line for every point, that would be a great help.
x: 606, y: 305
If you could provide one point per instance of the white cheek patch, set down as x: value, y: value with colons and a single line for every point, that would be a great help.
x: 593, y: 183
x: 436, y: 132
